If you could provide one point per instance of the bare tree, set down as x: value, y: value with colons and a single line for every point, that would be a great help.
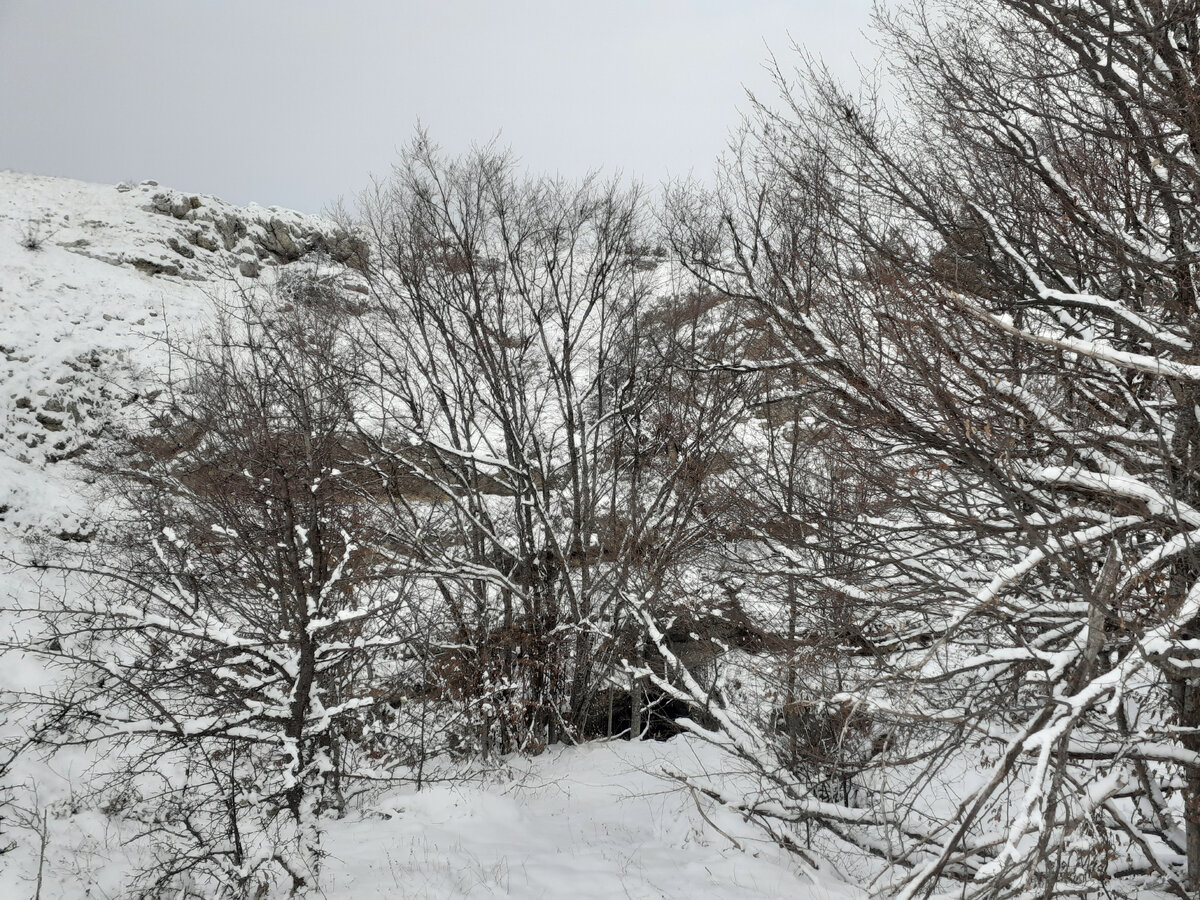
x: 1000, y: 318
x: 541, y: 444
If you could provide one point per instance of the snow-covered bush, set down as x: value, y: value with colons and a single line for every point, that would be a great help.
x: 35, y: 233
x: 236, y: 628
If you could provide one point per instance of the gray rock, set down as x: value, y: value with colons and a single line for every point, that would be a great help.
x: 156, y: 267
x: 231, y: 228
x: 202, y: 237
x: 171, y: 204
x: 350, y: 251
x: 280, y: 241
x: 182, y: 249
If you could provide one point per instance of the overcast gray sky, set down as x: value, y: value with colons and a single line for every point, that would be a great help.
x: 295, y: 102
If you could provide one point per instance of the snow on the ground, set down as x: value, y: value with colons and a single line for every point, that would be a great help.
x: 597, y: 821
x: 591, y: 823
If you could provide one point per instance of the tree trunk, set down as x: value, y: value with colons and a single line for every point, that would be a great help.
x: 1189, y: 719
x: 635, y: 694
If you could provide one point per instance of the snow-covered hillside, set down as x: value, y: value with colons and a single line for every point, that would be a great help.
x: 92, y: 278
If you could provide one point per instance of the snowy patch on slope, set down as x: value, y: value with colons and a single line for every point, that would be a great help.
x: 91, y: 279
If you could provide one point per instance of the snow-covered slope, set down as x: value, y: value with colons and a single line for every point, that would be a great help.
x: 91, y: 276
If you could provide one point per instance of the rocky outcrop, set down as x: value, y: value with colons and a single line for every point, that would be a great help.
x: 254, y: 235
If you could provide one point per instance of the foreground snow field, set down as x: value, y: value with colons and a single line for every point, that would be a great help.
x: 90, y: 276
x: 596, y: 821
x: 586, y: 822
